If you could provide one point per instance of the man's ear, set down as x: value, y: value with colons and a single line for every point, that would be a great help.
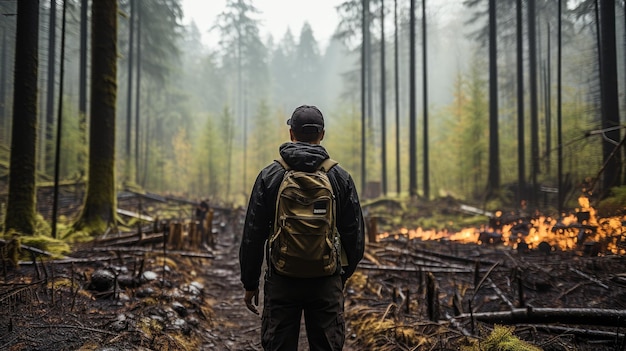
x: 291, y: 135
x: 322, y: 135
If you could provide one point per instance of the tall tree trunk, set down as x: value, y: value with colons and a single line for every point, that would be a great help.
x: 383, y: 98
x: 364, y: 30
x: 493, y: 184
x: 230, y: 136
x: 59, y: 130
x: 82, y: 86
x: 100, y: 200
x: 548, y: 102
x: 138, y: 106
x: 3, y: 59
x: 49, y: 127
x: 610, y: 99
x: 534, y: 118
x: 20, y: 215
x: 559, y: 121
x: 370, y: 68
x: 624, y: 55
x: 412, y: 107
x: 426, y: 167
x: 3, y: 84
x: 397, y: 92
x: 129, y: 90
x: 240, y: 99
x: 521, y: 157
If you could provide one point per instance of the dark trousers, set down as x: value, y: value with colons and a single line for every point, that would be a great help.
x: 285, y: 299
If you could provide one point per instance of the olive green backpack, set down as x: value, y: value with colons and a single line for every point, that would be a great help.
x: 305, y: 241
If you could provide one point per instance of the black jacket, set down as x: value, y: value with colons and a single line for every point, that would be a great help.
x: 262, y: 207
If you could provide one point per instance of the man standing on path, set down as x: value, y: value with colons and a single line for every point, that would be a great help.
x: 287, y: 296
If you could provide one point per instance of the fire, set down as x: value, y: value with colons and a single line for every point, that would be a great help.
x: 581, y: 230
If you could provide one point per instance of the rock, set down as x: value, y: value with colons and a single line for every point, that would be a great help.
x: 127, y: 281
x: 146, y: 292
x: 120, y: 324
x: 182, y: 325
x: 149, y: 275
x: 102, y: 280
x: 180, y: 309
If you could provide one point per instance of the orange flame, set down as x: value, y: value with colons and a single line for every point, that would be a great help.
x: 570, y: 233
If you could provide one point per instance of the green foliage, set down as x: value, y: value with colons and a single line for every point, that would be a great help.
x: 178, y: 172
x: 343, y: 140
x: 461, y: 150
x: 264, y: 140
x: 73, y: 149
x: 500, y: 339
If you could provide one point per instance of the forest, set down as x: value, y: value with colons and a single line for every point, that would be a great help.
x: 192, y: 119
x: 514, y: 106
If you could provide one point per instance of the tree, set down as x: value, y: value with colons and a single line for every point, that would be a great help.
x: 473, y: 146
x: 3, y: 81
x: 156, y: 55
x: 493, y: 182
x: 7, y: 57
x: 396, y: 74
x: 412, y: 108
x: 383, y: 99
x: 426, y: 167
x: 609, y: 99
x: 245, y: 55
x: 99, y: 209
x: 82, y: 84
x: 129, y: 89
x: 521, y: 163
x: 307, y: 57
x: 49, y: 125
x: 534, y: 118
x: 283, y: 68
x: 20, y: 215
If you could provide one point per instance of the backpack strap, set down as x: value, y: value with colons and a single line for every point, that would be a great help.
x: 327, y: 164
x: 282, y: 162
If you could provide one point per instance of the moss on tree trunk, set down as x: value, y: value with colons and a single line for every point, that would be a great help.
x: 99, y: 207
x: 20, y: 214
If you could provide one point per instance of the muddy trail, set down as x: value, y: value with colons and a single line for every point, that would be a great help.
x: 234, y: 327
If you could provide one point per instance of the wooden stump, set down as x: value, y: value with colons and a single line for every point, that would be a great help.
x: 176, y: 235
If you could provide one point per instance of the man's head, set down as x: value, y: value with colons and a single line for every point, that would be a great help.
x: 307, y: 124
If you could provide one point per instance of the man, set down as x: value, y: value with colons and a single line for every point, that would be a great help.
x: 285, y: 298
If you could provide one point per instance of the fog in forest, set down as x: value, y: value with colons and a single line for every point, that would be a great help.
x: 201, y: 120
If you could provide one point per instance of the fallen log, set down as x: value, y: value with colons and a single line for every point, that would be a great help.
x: 104, y: 239
x: 156, y: 251
x: 30, y: 249
x: 583, y: 316
x: 452, y: 257
x: 133, y: 239
x: 582, y: 333
x: 500, y: 294
x: 423, y: 259
x: 413, y: 270
x: 584, y: 275
x: 135, y: 215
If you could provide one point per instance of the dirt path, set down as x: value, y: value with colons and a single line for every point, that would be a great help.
x: 234, y: 327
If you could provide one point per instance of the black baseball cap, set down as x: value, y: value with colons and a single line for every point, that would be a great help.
x: 306, y: 119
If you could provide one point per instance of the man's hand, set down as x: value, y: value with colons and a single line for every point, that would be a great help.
x: 248, y: 300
